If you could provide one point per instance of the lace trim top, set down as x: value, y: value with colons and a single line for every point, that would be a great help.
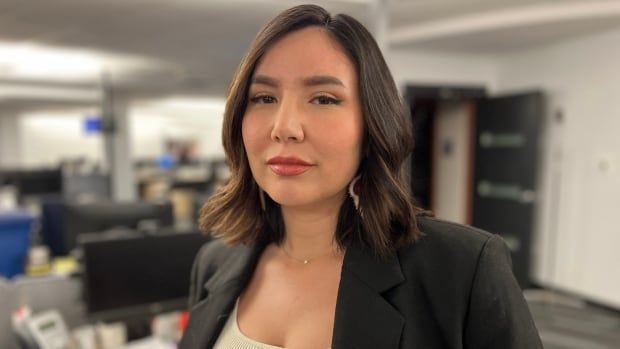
x: 232, y: 338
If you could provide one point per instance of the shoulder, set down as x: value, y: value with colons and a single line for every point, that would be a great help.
x: 444, y: 237
x: 213, y: 253
x: 449, y: 252
x: 209, y: 258
x: 465, y: 276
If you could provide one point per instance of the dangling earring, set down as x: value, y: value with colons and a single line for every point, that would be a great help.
x: 261, y: 196
x: 355, y: 188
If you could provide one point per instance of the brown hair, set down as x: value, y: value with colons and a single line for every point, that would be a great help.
x: 234, y: 213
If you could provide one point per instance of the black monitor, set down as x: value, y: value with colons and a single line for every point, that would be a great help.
x: 34, y: 182
x: 80, y: 218
x: 139, y: 276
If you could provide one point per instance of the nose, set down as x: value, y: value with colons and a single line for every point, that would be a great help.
x: 287, y: 125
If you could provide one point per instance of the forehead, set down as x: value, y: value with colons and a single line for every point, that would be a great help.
x: 306, y: 52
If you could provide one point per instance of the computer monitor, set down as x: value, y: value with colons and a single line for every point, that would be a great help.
x: 80, y: 218
x: 134, y: 277
x: 92, y: 186
x: 34, y: 182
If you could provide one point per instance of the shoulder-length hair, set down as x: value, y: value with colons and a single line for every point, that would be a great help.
x: 388, y: 216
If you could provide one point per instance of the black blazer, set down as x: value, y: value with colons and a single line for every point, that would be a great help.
x: 453, y: 288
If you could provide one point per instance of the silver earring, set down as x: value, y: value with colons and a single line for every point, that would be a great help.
x: 355, y: 188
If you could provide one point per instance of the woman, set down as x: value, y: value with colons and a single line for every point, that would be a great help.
x: 319, y: 244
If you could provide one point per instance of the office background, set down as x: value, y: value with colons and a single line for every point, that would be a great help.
x: 123, y: 101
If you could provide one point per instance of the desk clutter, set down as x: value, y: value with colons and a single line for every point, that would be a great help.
x: 94, y: 275
x: 126, y: 286
x: 80, y: 270
x: 47, y: 330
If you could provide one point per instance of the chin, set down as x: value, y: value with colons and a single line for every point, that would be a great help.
x: 298, y: 198
x: 290, y: 199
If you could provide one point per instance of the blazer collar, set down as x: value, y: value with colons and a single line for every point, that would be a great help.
x: 237, y: 269
x: 379, y: 275
x: 363, y: 319
x: 207, y: 317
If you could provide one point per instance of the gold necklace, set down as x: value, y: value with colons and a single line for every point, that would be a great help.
x: 304, y: 261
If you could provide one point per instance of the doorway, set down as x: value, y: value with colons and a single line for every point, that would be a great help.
x: 475, y: 161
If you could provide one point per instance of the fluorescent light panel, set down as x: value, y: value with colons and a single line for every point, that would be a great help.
x: 33, y: 61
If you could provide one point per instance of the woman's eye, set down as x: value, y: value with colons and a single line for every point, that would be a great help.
x: 262, y: 99
x: 325, y: 100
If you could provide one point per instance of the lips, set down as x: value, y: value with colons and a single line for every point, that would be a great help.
x: 288, y: 166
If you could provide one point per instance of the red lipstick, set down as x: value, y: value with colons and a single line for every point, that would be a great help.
x: 288, y: 165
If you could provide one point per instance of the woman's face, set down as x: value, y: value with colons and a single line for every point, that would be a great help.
x: 303, y: 126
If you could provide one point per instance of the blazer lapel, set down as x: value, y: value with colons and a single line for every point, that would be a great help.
x: 207, y: 318
x: 364, y: 318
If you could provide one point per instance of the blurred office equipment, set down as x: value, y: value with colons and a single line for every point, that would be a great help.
x: 15, y: 229
x: 33, y: 182
x: 46, y: 330
x: 134, y: 277
x: 82, y: 218
x: 8, y: 197
x: 8, y: 297
x: 81, y: 187
x: 62, y: 293
x: 31, y: 187
x: 39, y: 294
x: 52, y: 225
x: 39, y: 260
x: 182, y: 184
x: 128, y: 277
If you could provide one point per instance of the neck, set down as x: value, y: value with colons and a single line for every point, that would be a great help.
x: 310, y: 231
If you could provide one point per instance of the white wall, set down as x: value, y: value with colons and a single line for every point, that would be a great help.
x: 151, y: 125
x: 48, y: 137
x: 45, y: 138
x: 450, y: 167
x: 581, y: 174
x: 441, y: 68
x: 578, y: 243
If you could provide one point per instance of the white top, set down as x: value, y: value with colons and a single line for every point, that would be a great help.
x: 232, y: 338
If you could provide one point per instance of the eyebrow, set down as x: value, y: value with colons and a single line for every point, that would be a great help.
x: 315, y: 80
